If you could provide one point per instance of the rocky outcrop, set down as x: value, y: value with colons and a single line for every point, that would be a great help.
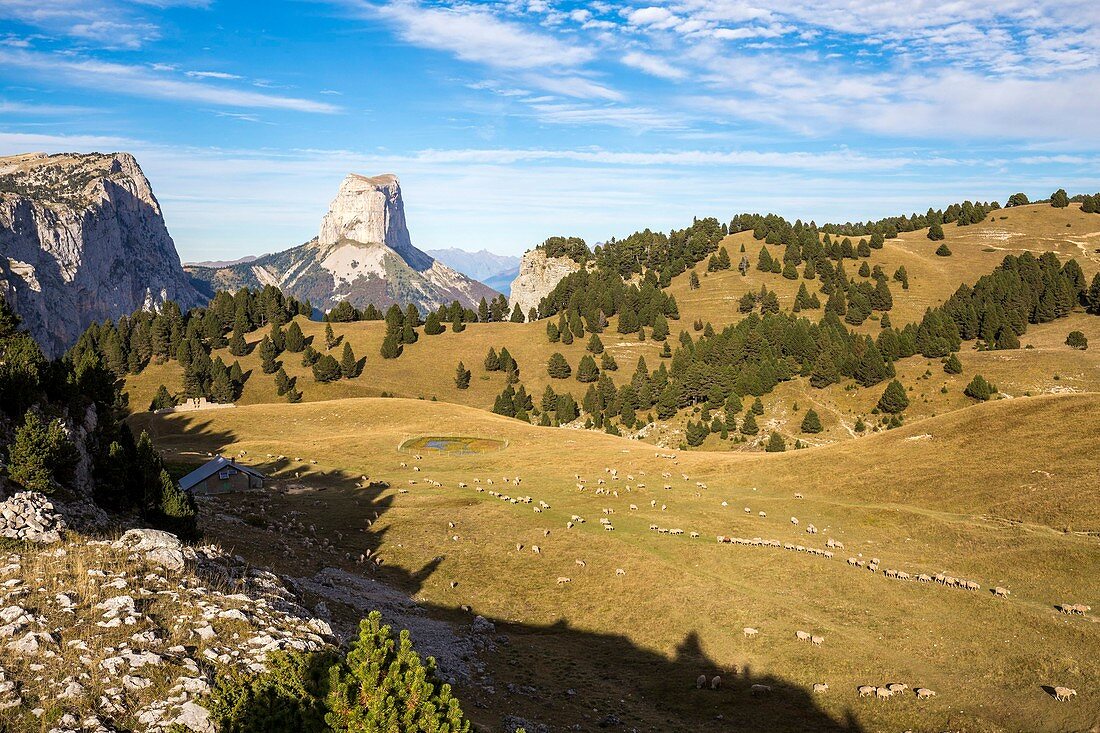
x: 132, y: 634
x: 30, y: 516
x: 538, y: 274
x: 82, y: 239
x: 362, y: 254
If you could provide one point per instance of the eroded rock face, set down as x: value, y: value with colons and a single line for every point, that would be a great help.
x: 538, y: 275
x: 362, y: 254
x: 82, y: 239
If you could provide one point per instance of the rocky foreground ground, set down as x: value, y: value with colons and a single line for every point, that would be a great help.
x: 128, y: 633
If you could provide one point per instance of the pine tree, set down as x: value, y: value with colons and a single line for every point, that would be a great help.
x: 492, y: 361
x: 552, y: 333
x: 608, y: 363
x: 693, y: 281
x: 952, y: 365
x: 295, y: 340
x: 40, y: 455
x: 278, y: 338
x: 391, y: 347
x: 162, y: 400
x: 566, y: 411
x: 221, y: 389
x: 462, y: 376
x: 176, y: 509
x: 557, y: 367
x: 595, y: 345
x: 979, y: 389
x: 483, y: 311
x: 267, y: 356
x: 935, y: 232
x: 283, y: 383
x: 349, y: 366
x: 517, y: 314
x: 587, y: 371
x: 1077, y: 340
x: 811, y: 423
x: 383, y: 685
x: 943, y: 250
x: 237, y: 344
x: 757, y: 407
x: 327, y: 369
x: 666, y: 351
x: 1059, y: 199
x: 775, y: 444
x: 457, y: 324
x: 748, y: 425
x: 894, y: 399
x: 668, y: 404
x: 330, y: 336
x: 432, y: 326
x: 310, y: 356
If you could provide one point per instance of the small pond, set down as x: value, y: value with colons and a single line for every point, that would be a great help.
x: 453, y: 444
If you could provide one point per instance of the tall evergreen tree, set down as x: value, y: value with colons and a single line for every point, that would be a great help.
x: 268, y: 352
x: 462, y: 376
x: 775, y: 444
x: 349, y: 366
x: 893, y: 399
x: 587, y: 371
x: 295, y: 340
x: 557, y: 367
x: 811, y: 423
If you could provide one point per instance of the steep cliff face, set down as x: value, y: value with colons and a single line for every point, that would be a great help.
x: 82, y: 239
x: 362, y: 254
x: 538, y: 274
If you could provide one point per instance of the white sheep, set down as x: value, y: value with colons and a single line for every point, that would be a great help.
x: 1000, y: 592
x: 620, y: 571
x: 562, y: 580
x: 897, y: 687
x: 1061, y: 694
x: 923, y: 693
x: 866, y: 690
x: 817, y: 640
x: 821, y: 687
x: 536, y: 549
x: 750, y: 631
x: 802, y: 636
x: 882, y: 693
x: 794, y: 520
x: 761, y: 689
x: 715, y: 682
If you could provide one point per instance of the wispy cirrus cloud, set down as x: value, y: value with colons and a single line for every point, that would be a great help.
x: 143, y: 81
x: 108, y: 24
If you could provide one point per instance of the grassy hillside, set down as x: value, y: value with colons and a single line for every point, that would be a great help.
x: 986, y: 494
x: 426, y: 369
x: 976, y: 250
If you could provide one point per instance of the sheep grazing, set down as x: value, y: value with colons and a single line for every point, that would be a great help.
x: 608, y: 528
x: 582, y: 563
x: 1000, y: 592
x: 971, y: 585
x: 519, y: 547
x: 748, y: 511
x: 882, y: 693
x: 564, y: 580
x: 852, y: 561
x: 811, y: 529
x: 761, y: 689
x: 620, y: 571
x: 763, y: 514
x: 700, y: 682
x: 715, y: 682
x: 633, y: 507
x: 1080, y: 609
x: 1061, y: 694
x: 817, y: 640
x: 569, y: 525
x: 802, y: 636
x: 798, y: 496
x: 694, y: 535
x: 545, y: 533
x: 821, y: 687
x: 454, y: 584
x: 536, y: 549
x: 923, y: 693
x: 897, y: 687
x: 867, y: 690
x: 750, y: 631
x: 794, y: 520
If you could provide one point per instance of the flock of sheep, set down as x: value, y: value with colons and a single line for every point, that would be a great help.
x: 880, y: 692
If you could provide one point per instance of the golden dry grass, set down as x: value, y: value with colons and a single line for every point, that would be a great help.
x: 986, y: 493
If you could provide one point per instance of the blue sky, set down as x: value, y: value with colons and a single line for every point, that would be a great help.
x: 511, y: 121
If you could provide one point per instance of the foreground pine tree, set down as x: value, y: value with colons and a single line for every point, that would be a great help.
x: 775, y: 444
x: 462, y: 376
x: 349, y: 366
x: 979, y: 389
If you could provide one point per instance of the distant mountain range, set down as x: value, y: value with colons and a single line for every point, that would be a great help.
x: 496, y: 271
x: 362, y: 254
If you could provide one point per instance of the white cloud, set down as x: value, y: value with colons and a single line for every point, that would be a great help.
x: 653, y: 65
x: 475, y: 35
x: 141, y: 81
x: 211, y: 75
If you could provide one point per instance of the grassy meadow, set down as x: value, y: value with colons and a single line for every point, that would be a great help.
x: 994, y: 494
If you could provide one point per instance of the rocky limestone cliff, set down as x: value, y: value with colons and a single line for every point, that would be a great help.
x: 81, y: 240
x: 538, y: 274
x: 362, y: 254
